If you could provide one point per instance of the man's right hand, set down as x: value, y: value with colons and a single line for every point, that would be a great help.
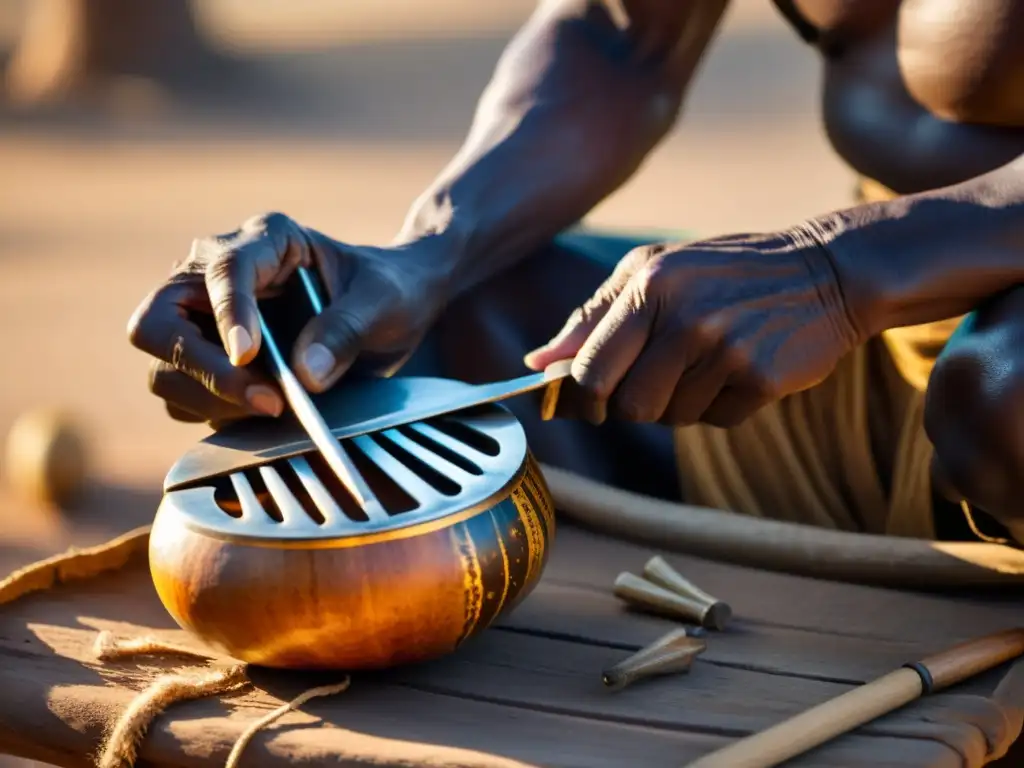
x: 202, y: 329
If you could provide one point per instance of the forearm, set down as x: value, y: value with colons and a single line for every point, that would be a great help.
x: 575, y: 105
x: 933, y: 255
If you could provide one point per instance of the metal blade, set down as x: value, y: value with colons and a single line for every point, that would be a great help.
x: 451, y: 401
x: 351, y: 409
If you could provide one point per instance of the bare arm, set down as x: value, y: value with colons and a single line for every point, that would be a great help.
x: 944, y: 253
x: 582, y: 95
x: 930, y: 256
x: 941, y: 254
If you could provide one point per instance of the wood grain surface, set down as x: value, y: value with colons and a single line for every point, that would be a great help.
x: 527, y: 692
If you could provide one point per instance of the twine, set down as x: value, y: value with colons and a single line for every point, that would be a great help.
x: 121, y: 745
x: 284, y: 709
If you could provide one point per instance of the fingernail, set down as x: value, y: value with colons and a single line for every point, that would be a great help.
x: 264, y: 399
x: 530, y: 358
x: 239, y: 344
x: 318, y: 361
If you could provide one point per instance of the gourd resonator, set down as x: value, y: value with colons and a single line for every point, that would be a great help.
x: 428, y: 523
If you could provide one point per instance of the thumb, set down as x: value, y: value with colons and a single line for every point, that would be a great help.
x: 330, y: 343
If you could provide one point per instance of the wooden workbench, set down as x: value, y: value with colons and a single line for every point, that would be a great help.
x: 529, y: 692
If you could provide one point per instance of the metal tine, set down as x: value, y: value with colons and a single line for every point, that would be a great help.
x: 325, y: 502
x: 433, y: 460
x: 309, y: 416
x: 418, y: 488
x: 312, y: 421
x: 292, y: 513
x: 371, y: 505
x: 252, y: 509
x: 455, y: 446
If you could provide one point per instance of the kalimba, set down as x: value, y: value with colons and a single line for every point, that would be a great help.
x: 375, y: 525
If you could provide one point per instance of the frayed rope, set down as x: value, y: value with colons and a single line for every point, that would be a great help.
x: 107, y: 647
x: 122, y: 744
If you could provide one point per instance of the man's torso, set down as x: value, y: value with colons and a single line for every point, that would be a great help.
x: 919, y: 94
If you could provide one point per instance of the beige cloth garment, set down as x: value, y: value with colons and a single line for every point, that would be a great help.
x: 850, y: 453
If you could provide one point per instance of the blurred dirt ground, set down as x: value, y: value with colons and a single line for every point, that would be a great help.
x: 357, y: 105
x: 360, y: 113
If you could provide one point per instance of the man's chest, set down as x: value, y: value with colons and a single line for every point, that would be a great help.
x: 962, y: 60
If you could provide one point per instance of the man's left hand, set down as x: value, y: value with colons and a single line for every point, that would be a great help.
x: 707, y: 331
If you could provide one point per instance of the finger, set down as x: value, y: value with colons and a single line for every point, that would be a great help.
x: 180, y: 414
x: 695, y: 390
x: 329, y: 344
x: 164, y: 309
x: 610, y: 350
x: 646, y: 390
x: 165, y: 332
x: 162, y: 316
x: 184, y: 393
x: 269, y: 250
x: 733, y: 406
x: 581, y: 323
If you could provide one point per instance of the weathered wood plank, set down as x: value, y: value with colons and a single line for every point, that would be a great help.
x: 588, y: 559
x: 519, y: 670
x: 505, y: 696
x: 563, y: 677
x: 56, y: 706
x: 594, y: 616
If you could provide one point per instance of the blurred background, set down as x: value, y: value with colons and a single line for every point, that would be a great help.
x: 129, y: 128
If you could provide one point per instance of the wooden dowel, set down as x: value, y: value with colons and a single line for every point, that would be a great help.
x: 861, y: 705
x: 641, y: 593
x: 819, y: 724
x: 716, y: 613
x: 973, y: 657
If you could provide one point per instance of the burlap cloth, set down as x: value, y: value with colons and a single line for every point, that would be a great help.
x: 526, y: 693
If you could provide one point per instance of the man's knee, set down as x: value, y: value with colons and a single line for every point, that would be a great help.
x: 974, y: 414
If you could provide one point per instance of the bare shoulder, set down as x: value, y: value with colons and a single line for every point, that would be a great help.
x: 964, y: 59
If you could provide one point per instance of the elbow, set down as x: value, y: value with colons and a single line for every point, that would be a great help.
x: 974, y: 418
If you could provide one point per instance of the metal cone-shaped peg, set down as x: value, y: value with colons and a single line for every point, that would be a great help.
x: 670, y: 654
x: 641, y: 593
x: 714, y: 613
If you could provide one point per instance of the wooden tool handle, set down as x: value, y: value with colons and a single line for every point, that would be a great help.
x: 854, y: 708
x: 965, y: 660
x: 817, y: 725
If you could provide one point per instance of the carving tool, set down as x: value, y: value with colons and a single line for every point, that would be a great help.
x: 819, y: 724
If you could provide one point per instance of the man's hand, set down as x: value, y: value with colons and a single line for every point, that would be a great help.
x: 706, y: 332
x: 201, y: 325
